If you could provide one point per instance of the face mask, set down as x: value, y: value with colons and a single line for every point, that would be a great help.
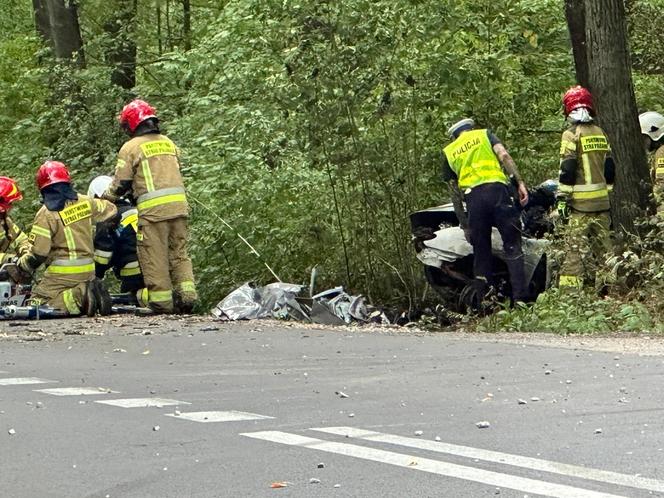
x: 580, y: 115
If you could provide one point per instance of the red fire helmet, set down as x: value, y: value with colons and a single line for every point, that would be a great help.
x: 9, y: 193
x: 576, y: 97
x: 134, y: 113
x: 52, y: 172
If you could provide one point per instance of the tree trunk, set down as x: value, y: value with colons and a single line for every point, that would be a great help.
x: 42, y: 22
x: 160, y: 47
x: 65, y: 30
x: 575, y: 13
x: 609, y: 62
x: 186, y: 24
x: 121, y: 53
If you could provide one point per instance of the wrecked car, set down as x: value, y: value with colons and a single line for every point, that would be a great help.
x: 447, y: 256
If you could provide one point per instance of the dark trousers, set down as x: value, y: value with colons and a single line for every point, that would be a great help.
x: 490, y: 205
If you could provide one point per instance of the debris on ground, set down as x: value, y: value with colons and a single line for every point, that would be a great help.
x: 521, y: 401
x: 598, y: 431
x: 341, y: 394
x: 484, y: 424
x: 419, y: 433
x: 287, y: 301
x: 280, y: 484
x: 321, y: 465
x: 313, y: 480
x: 11, y: 432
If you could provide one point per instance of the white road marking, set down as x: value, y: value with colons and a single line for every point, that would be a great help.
x: 503, y: 458
x: 141, y: 402
x: 19, y: 381
x: 228, y: 416
x: 75, y: 391
x: 432, y: 466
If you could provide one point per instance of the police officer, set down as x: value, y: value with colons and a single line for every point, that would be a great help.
x: 477, y: 164
x: 149, y: 170
x: 587, y: 172
x: 115, y: 246
x: 652, y: 129
x: 13, y: 242
x: 62, y: 239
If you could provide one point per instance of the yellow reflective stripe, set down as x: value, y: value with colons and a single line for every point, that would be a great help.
x: 565, y: 188
x: 587, y: 173
x: 659, y: 172
x: 484, y: 172
x: 567, y: 145
x: 130, y: 269
x: 71, y: 243
x: 149, y: 182
x: 132, y: 219
x: 70, y: 302
x: 37, y: 230
x: 120, y: 164
x: 609, y: 188
x: 158, y: 201
x: 187, y: 286
x: 160, y: 296
x: 142, y: 296
x: 591, y: 195
x: 102, y: 260
x: 569, y: 281
x: 71, y: 269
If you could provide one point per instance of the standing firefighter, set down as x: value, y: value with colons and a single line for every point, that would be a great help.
x: 652, y: 129
x: 115, y: 246
x: 13, y: 242
x: 472, y: 164
x: 586, y: 175
x: 149, y: 169
x: 62, y: 239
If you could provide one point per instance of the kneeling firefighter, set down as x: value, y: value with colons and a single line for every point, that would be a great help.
x: 61, y: 239
x: 478, y: 164
x: 115, y: 247
x: 652, y: 129
x: 13, y: 242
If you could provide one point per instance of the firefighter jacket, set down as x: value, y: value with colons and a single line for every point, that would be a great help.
x: 658, y: 166
x: 13, y: 241
x: 64, y: 239
x: 115, y: 247
x: 149, y: 168
x: 473, y: 161
x: 585, y: 156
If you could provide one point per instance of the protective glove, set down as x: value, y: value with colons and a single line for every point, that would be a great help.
x: 563, y: 210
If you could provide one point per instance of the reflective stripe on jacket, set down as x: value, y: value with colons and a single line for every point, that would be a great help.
x: 588, y: 144
x: 150, y: 164
x: 472, y: 159
x: 64, y: 237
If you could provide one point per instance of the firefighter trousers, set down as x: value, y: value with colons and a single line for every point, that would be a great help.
x: 165, y: 263
x: 490, y: 205
x: 64, y: 292
x: 587, y: 243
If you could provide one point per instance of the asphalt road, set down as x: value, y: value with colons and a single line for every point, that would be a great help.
x: 243, y: 406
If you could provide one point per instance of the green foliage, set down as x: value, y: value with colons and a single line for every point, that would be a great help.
x: 313, y: 128
x: 574, y: 312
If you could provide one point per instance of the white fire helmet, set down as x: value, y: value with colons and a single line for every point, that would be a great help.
x: 652, y: 124
x: 99, y: 185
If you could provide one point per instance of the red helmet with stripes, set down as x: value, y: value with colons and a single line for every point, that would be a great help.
x: 52, y: 172
x: 134, y: 113
x: 9, y: 193
x: 576, y: 97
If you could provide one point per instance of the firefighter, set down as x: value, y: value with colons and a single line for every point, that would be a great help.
x: 13, y: 242
x: 61, y: 238
x: 652, y: 129
x: 148, y: 169
x: 478, y: 165
x: 115, y: 246
x: 587, y: 172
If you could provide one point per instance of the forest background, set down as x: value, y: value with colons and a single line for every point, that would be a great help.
x: 313, y: 127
